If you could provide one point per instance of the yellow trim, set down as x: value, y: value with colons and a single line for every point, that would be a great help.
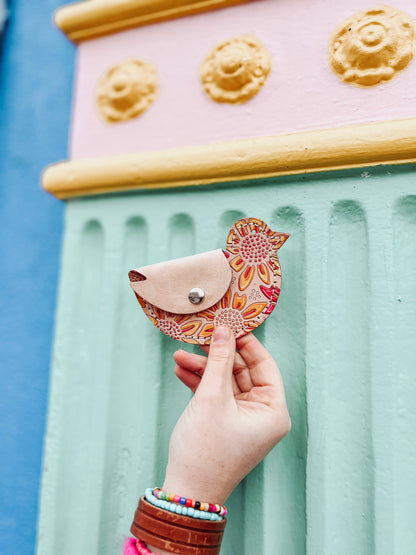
x: 94, y: 18
x: 384, y: 143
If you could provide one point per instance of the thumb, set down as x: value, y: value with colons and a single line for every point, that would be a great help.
x: 219, y: 369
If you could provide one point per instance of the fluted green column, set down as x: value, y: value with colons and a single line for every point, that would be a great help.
x: 343, y: 481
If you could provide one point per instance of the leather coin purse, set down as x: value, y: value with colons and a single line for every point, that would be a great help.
x: 237, y: 287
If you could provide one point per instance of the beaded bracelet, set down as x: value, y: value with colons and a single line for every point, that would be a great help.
x: 136, y: 547
x: 178, y: 508
x: 176, y: 533
x: 198, y: 505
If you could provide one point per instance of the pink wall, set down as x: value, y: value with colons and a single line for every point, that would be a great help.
x: 300, y: 93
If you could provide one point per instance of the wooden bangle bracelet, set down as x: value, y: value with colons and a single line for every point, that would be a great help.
x: 177, y: 533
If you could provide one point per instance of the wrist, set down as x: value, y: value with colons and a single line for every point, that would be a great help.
x: 198, y: 490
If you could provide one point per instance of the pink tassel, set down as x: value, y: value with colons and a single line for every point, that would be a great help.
x: 136, y: 547
x: 130, y: 547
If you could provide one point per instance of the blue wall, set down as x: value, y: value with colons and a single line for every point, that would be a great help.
x: 35, y: 89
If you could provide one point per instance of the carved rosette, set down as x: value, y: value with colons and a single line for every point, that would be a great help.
x: 126, y: 90
x: 373, y: 46
x: 235, y: 70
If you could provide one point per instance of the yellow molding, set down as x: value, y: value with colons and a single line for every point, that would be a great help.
x: 384, y: 143
x: 94, y: 18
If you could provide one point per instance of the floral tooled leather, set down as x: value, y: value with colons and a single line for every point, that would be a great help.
x: 251, y: 297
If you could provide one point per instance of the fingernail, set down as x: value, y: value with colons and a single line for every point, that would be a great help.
x: 221, y: 335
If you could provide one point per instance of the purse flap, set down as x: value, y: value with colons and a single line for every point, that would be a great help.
x: 167, y: 285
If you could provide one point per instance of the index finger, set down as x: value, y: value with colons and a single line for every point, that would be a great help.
x: 262, y: 366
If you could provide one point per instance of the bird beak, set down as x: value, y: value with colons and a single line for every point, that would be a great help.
x: 134, y: 275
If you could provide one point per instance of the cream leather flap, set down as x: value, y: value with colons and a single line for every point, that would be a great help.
x: 167, y: 285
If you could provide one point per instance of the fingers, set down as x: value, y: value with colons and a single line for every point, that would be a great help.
x: 190, y: 379
x: 190, y: 361
x: 242, y: 374
x: 218, y: 376
x: 263, y: 368
x: 248, y: 375
x: 197, y: 363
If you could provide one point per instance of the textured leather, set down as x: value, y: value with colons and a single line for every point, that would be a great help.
x: 167, y: 284
x: 177, y: 533
x: 253, y: 291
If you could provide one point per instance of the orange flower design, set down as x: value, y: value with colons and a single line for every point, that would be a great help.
x: 254, y: 245
x: 178, y: 326
x: 236, y: 315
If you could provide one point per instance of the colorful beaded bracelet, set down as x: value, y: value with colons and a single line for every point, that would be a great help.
x: 199, y: 505
x: 136, y: 547
x: 178, y: 508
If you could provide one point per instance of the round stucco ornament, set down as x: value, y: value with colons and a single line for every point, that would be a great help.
x: 236, y: 69
x: 126, y: 90
x: 372, y: 46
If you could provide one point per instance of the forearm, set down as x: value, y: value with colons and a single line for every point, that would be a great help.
x: 238, y: 407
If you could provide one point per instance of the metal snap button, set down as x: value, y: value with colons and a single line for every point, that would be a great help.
x: 196, y: 295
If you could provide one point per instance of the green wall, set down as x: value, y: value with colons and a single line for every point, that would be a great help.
x: 342, y: 482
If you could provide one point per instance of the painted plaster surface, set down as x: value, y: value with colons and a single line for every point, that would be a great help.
x: 301, y: 91
x: 126, y: 90
x: 342, y: 482
x: 373, y: 46
x: 236, y: 69
x: 33, y: 131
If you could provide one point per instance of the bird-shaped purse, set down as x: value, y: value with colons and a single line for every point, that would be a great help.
x: 238, y: 287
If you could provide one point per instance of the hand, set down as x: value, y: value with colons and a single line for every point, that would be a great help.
x: 237, y: 415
